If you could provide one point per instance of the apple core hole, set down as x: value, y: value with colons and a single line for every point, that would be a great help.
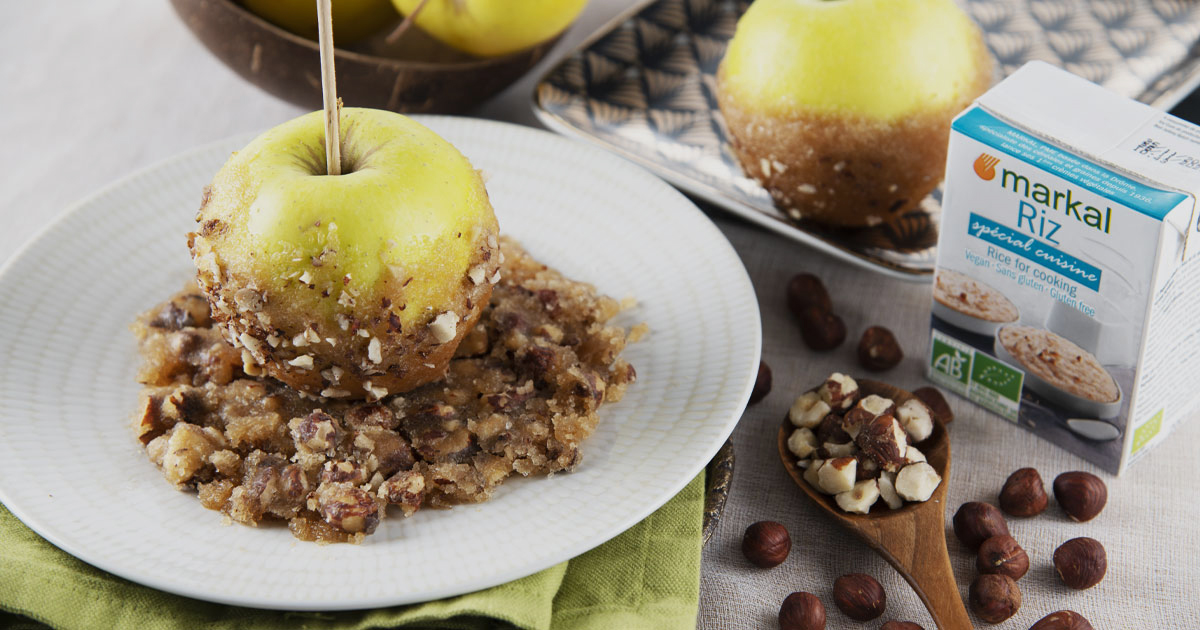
x: 349, y: 166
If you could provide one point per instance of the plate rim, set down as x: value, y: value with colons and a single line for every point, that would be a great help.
x: 131, y: 572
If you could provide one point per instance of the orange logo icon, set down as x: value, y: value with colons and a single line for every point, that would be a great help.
x: 985, y: 166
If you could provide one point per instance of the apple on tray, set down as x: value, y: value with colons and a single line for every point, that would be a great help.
x: 841, y: 109
x: 362, y: 283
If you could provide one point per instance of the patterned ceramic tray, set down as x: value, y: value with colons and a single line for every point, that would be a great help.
x: 644, y: 87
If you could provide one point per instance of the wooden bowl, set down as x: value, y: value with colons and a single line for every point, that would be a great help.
x: 417, y: 74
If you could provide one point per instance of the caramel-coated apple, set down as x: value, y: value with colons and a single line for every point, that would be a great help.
x: 841, y: 109
x: 351, y: 285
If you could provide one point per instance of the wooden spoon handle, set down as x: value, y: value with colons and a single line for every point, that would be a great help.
x: 939, y: 590
x: 916, y: 546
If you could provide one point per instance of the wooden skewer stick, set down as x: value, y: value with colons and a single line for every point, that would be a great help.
x: 404, y: 25
x: 333, y: 105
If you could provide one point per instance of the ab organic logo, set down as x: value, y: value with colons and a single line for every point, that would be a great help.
x: 951, y: 361
x: 985, y: 166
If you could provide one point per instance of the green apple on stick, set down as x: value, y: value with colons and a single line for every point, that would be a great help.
x: 400, y: 238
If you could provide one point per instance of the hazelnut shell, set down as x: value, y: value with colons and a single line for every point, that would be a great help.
x: 762, y: 383
x: 878, y: 350
x: 936, y: 401
x: 830, y: 430
x: 1024, y: 493
x: 805, y: 290
x: 821, y: 329
x: 766, y: 544
x: 901, y: 625
x: 1081, y: 562
x: 802, y: 611
x: 976, y: 522
x: 1082, y: 495
x: 1001, y: 554
x: 878, y: 439
x: 994, y: 597
x: 1062, y: 620
x: 859, y: 596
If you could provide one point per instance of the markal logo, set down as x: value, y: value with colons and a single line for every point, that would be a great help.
x: 985, y: 167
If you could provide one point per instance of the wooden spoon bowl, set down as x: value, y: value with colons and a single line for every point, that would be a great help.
x: 912, y: 538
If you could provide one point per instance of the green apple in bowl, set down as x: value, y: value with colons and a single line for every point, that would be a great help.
x: 492, y: 28
x: 841, y: 108
x: 359, y: 284
x: 353, y: 20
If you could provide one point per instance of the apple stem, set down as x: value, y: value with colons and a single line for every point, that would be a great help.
x: 333, y: 104
x: 404, y: 25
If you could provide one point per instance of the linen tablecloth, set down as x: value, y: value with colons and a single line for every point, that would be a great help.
x: 90, y: 91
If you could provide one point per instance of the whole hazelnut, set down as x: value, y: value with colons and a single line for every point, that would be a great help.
x: 878, y: 349
x: 821, y: 329
x: 994, y: 597
x: 933, y: 398
x: 859, y: 596
x: 901, y: 625
x: 762, y: 383
x: 976, y: 522
x: 1081, y: 562
x: 805, y: 290
x: 802, y: 611
x: 1024, y: 493
x: 1001, y: 554
x: 1062, y: 620
x: 1082, y: 495
x: 766, y: 544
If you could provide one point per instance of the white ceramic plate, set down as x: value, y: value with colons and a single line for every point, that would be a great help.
x: 71, y: 470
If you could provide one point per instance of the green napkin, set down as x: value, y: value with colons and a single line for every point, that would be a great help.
x: 648, y: 577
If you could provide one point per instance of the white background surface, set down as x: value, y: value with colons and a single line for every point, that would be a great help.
x: 90, y: 91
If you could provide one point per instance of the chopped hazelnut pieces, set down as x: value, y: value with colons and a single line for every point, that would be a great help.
x: 375, y: 393
x: 860, y: 498
x: 375, y: 350
x: 519, y: 399
x: 808, y: 410
x: 916, y: 482
x: 444, y: 327
x: 837, y: 475
x: 248, y: 299
x: 858, y: 447
x: 304, y: 362
x: 839, y: 391
x: 802, y: 443
x: 916, y: 419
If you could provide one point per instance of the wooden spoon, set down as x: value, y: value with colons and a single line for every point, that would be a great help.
x: 912, y: 539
